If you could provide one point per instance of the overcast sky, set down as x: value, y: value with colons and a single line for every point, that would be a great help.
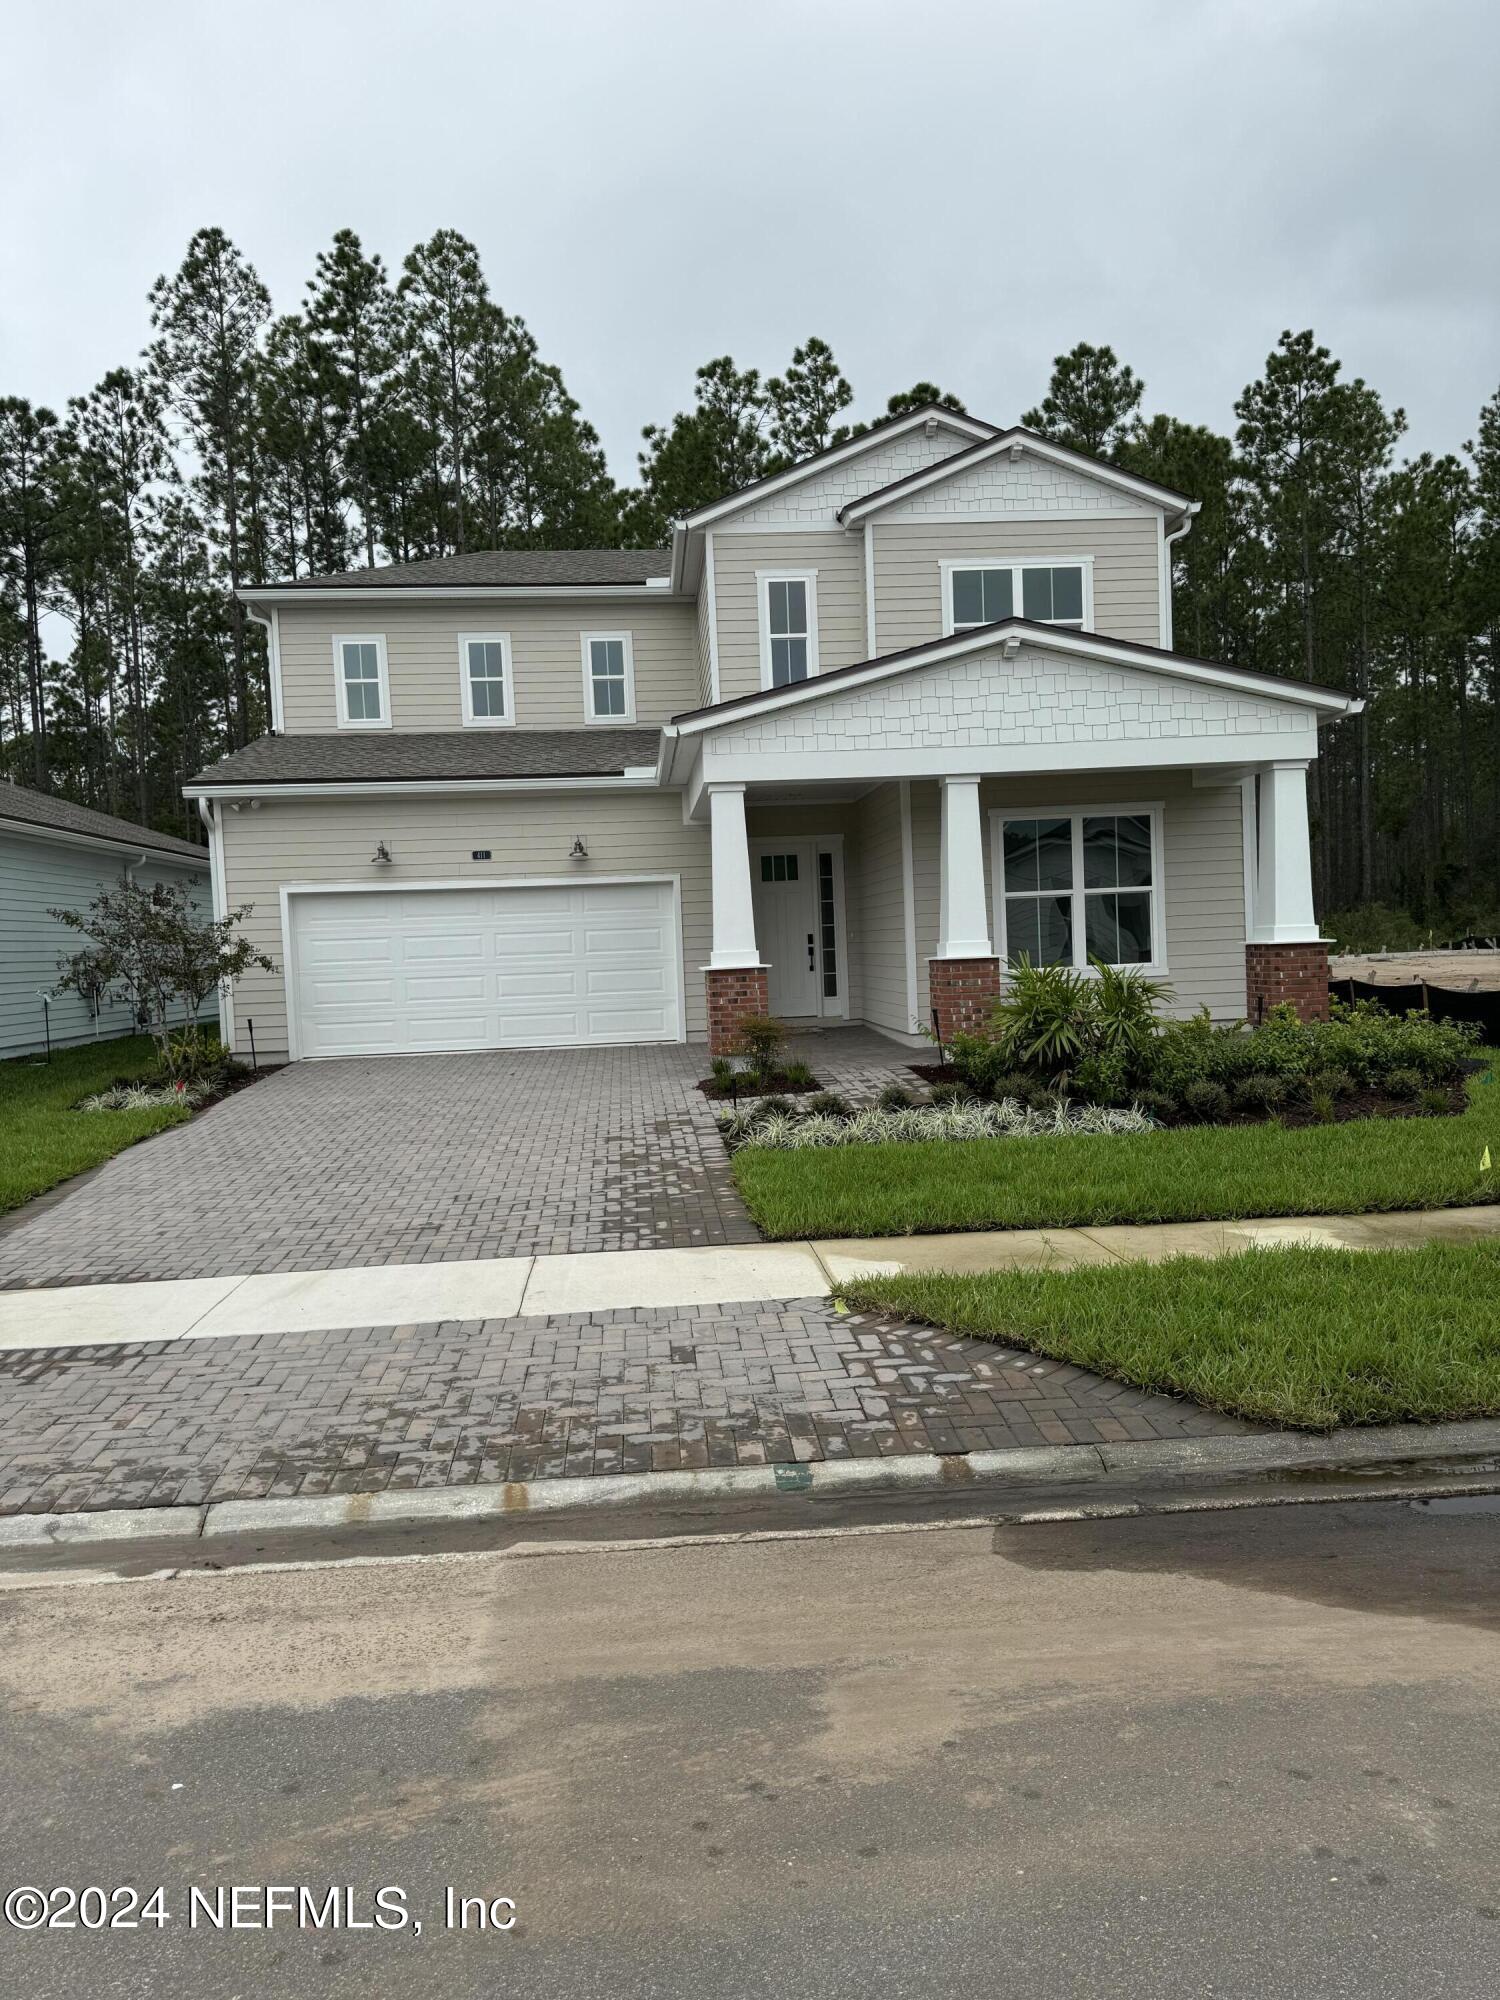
x: 940, y: 189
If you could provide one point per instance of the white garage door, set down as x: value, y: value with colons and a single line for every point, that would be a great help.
x: 393, y: 971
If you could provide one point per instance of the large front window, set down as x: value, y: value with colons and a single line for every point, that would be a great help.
x: 1051, y: 593
x: 1080, y: 886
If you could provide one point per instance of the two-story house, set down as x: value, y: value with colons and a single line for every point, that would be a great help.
x: 868, y: 729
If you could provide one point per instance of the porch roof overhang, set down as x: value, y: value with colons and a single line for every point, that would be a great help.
x: 727, y: 743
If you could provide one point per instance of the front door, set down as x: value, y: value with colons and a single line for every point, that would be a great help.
x: 784, y: 882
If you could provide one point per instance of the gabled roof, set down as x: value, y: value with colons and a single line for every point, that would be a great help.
x: 492, y: 569
x: 1330, y: 702
x: 395, y: 757
x: 882, y: 432
x: 45, y: 814
x: 1017, y: 439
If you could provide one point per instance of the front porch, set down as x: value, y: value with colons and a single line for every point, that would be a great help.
x: 896, y: 905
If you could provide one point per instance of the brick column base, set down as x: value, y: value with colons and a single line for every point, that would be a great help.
x: 1294, y: 972
x: 964, y: 992
x: 733, y: 992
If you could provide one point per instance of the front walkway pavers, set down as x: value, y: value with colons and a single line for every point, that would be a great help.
x: 561, y: 1396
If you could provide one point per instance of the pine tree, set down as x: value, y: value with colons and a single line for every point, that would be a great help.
x: 353, y: 321
x: 443, y: 331
x: 209, y: 318
x: 715, y: 448
x: 30, y: 443
x: 804, y: 404
x: 1092, y: 403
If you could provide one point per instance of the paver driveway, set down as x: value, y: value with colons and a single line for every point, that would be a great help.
x: 406, y: 1160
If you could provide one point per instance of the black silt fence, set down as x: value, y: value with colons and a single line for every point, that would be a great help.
x: 1444, y: 1003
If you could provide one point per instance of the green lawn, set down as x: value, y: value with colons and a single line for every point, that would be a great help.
x: 43, y: 1140
x: 1192, y: 1173
x: 1308, y: 1338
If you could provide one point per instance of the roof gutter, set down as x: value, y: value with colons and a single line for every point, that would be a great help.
x: 65, y: 837
x: 354, y: 593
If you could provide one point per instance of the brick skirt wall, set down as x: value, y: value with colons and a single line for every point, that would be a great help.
x: 1293, y: 972
x: 733, y: 992
x: 964, y: 992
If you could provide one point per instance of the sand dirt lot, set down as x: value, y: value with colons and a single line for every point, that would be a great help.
x: 1461, y: 971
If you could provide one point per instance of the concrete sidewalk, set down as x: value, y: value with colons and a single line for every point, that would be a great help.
x: 505, y: 1287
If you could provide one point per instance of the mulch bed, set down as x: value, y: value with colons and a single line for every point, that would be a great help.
x: 748, y: 1086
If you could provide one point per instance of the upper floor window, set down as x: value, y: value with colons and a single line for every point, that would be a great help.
x: 788, y: 626
x: 608, y: 677
x: 484, y: 666
x: 1080, y: 886
x: 1054, y: 593
x: 361, y: 682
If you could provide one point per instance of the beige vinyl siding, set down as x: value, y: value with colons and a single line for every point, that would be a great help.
x: 877, y: 912
x: 838, y: 559
x: 1203, y: 891
x: 773, y: 822
x: 546, y: 658
x: 431, y: 840
x: 908, y: 580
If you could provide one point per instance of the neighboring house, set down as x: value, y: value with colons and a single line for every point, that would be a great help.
x: 868, y: 728
x: 58, y: 856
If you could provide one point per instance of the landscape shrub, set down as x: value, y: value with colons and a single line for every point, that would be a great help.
x: 796, y: 1075
x: 895, y: 1097
x: 785, y: 1132
x: 761, y: 1037
x: 828, y: 1104
x: 1259, y: 1092
x: 1202, y: 1098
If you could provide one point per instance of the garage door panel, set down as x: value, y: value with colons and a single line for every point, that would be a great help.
x: 601, y: 981
x: 537, y: 984
x: 387, y: 971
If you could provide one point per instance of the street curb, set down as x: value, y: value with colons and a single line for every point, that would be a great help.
x: 1433, y: 1454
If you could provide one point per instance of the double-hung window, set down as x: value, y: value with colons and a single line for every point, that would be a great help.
x: 1054, y: 593
x: 485, y: 679
x: 788, y: 626
x: 1079, y: 886
x: 608, y: 677
x: 361, y: 682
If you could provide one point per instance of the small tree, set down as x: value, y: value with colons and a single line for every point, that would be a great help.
x: 155, y: 949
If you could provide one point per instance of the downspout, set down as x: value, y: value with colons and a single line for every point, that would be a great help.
x: 209, y: 814
x: 1166, y: 572
x: 272, y: 622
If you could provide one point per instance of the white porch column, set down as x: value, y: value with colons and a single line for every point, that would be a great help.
x: 1283, y: 888
x: 734, y: 910
x: 963, y: 914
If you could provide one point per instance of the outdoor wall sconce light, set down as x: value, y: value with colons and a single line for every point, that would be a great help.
x: 579, y: 850
x: 382, y: 854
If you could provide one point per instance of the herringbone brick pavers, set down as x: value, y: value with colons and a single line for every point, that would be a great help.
x: 533, y: 1398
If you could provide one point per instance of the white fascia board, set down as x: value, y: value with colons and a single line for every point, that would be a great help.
x: 994, y: 638
x: 642, y: 778
x: 598, y: 593
x: 142, y: 849
x: 1159, y: 753
x: 1013, y: 440
x: 766, y: 489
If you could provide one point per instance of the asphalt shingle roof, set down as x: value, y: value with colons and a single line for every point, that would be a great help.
x: 62, y: 816
x: 514, y: 569
x: 395, y: 757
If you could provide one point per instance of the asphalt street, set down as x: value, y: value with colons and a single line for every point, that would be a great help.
x: 1233, y: 1754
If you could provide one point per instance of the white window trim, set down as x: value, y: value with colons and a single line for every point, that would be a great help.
x: 764, y: 578
x: 1158, y: 967
x: 466, y: 690
x: 627, y: 641
x: 1015, y: 564
x: 340, y: 689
